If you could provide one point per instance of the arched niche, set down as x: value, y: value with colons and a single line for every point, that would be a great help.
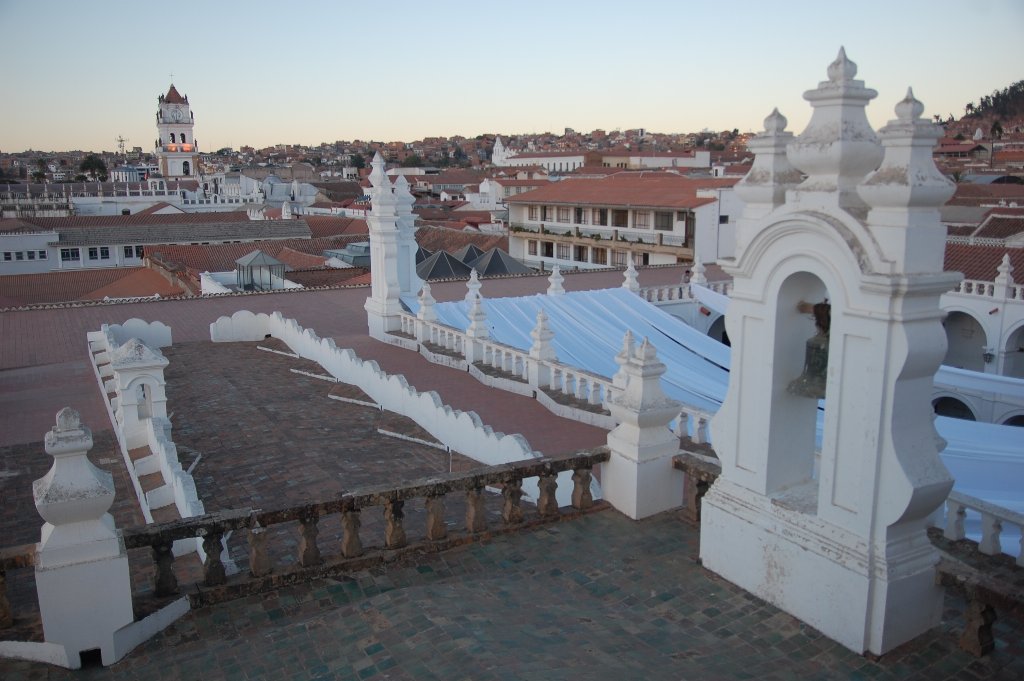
x: 718, y: 332
x: 953, y: 408
x: 1013, y: 357
x: 965, y: 341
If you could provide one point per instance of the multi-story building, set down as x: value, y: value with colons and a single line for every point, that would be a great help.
x: 647, y: 218
x: 176, y: 150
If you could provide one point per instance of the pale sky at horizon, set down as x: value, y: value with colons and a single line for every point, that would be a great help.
x: 261, y: 73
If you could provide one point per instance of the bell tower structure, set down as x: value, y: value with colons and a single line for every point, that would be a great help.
x: 176, y: 150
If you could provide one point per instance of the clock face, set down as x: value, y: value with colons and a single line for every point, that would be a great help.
x: 176, y: 114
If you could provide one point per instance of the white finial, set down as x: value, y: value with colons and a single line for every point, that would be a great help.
x: 1005, y: 269
x: 698, y: 271
x: 555, y: 287
x: 909, y: 109
x: 629, y: 279
x: 842, y: 69
x: 473, y: 286
x: 646, y: 351
x: 775, y: 122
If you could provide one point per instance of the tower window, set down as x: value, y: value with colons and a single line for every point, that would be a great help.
x: 185, y: 168
x: 172, y: 138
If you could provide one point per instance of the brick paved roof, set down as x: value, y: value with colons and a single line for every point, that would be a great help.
x: 333, y: 225
x: 1000, y: 227
x: 222, y: 257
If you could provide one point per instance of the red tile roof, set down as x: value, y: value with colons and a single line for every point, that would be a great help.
x: 657, y: 190
x: 980, y: 262
x: 327, y: 276
x: 71, y: 285
x: 140, y: 218
x: 440, y: 238
x: 157, y: 207
x: 173, y: 96
x: 297, y: 260
x: 222, y: 257
x: 333, y: 225
x: 977, y: 194
x: 1000, y: 227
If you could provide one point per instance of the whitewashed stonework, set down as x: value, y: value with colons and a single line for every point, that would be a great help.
x: 837, y: 540
x: 638, y: 478
x: 139, y: 374
x: 384, y: 304
x: 82, y: 577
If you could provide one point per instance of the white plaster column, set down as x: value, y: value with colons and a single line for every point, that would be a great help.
x: 82, y: 578
x: 426, y: 313
x: 473, y: 286
x: 541, y: 352
x: 476, y: 331
x: 638, y: 479
x: 384, y: 305
x: 408, y: 281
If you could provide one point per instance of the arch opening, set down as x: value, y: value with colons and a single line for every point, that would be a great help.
x: 965, y: 342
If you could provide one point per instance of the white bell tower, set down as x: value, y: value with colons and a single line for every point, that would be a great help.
x: 835, y: 533
x: 176, y: 150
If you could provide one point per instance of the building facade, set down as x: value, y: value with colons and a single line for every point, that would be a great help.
x: 176, y: 150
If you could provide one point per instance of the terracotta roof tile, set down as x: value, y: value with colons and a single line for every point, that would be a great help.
x: 71, y: 285
x: 333, y: 225
x: 173, y: 96
x: 222, y: 257
x: 327, y: 276
x: 980, y: 262
x: 297, y: 260
x: 1000, y: 227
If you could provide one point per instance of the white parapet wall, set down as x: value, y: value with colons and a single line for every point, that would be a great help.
x: 460, y: 430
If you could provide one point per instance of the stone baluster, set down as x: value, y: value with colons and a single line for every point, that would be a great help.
x: 476, y: 332
x: 511, y: 511
x: 309, y: 552
x: 991, y: 527
x: 394, y: 530
x: 351, y: 546
x: 259, y: 561
x: 6, y: 616
x: 582, y: 498
x: 955, y: 514
x: 476, y: 514
x: 214, y: 573
x: 165, y: 583
x: 547, y: 503
x: 977, y: 638
x: 436, y: 528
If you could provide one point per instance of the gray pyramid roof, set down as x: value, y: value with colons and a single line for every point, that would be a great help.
x: 442, y: 265
x: 497, y: 261
x: 468, y: 253
x: 256, y: 259
x: 422, y: 254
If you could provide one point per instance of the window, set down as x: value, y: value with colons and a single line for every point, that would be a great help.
x: 18, y: 255
x: 104, y: 253
x: 172, y: 137
x: 581, y: 216
x: 128, y: 251
x: 531, y: 247
x: 42, y: 255
x: 138, y: 251
x: 600, y: 216
x: 548, y: 249
x: 642, y: 219
x: 70, y: 255
x: 31, y: 255
x: 723, y: 219
x: 8, y: 256
x: 544, y: 213
x: 563, y: 251
x: 185, y: 169
x: 663, y: 221
x: 94, y: 253
x: 599, y: 256
x: 620, y: 258
x: 620, y: 218
x: 563, y: 214
x: 579, y: 253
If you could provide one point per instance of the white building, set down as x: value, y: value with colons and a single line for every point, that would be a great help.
x: 649, y: 219
x: 176, y: 149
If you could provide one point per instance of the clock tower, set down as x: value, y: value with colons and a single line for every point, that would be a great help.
x: 176, y: 150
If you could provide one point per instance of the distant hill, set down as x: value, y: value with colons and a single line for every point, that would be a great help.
x: 1005, y: 103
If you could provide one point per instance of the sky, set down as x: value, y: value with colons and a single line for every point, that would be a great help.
x: 80, y: 74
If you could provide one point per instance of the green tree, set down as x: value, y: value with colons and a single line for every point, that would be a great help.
x: 94, y: 166
x: 357, y: 161
x: 996, y: 130
x: 412, y: 161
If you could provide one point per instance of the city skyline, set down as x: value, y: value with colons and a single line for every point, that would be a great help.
x: 324, y: 72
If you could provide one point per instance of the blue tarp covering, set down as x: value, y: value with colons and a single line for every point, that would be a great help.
x: 986, y: 460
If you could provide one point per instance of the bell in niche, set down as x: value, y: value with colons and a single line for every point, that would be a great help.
x: 811, y: 383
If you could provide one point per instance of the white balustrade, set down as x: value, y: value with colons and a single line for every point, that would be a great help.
x: 994, y: 519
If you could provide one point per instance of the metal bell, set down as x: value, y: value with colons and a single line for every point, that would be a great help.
x: 811, y: 383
